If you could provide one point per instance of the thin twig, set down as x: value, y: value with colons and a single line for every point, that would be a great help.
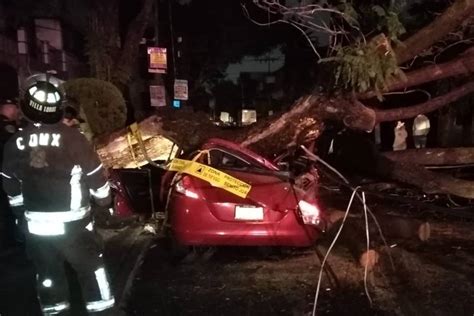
x: 468, y: 40
x: 287, y: 22
x: 303, y: 16
x: 409, y: 91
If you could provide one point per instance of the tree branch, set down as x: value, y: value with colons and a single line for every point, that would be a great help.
x: 463, y: 65
x: 444, y: 24
x: 403, y: 113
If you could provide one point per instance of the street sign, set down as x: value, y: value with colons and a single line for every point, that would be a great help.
x: 176, y: 104
x: 157, y: 60
x: 181, y: 89
x: 157, y: 96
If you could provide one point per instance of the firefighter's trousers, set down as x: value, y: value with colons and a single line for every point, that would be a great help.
x: 79, y: 249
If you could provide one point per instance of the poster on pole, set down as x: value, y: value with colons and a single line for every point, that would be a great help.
x: 157, y: 60
x: 157, y: 96
x: 181, y: 89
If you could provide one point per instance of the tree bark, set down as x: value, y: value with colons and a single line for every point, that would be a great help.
x: 460, y: 231
x: 463, y: 65
x: 431, y: 182
x: 444, y: 24
x: 185, y: 128
x: 353, y: 238
x: 131, y: 42
x: 434, y: 156
x: 303, y: 123
x: 403, y: 113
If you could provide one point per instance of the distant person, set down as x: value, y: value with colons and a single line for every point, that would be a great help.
x: 421, y: 128
x: 9, y: 111
x: 8, y: 126
x: 400, y: 142
x: 71, y: 117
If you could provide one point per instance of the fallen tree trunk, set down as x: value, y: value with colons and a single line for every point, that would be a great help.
x: 391, y: 225
x: 354, y: 153
x: 159, y: 132
x: 353, y: 238
x: 353, y: 235
x: 301, y: 124
x: 431, y: 182
x: 404, y: 228
x: 461, y: 231
x: 434, y: 156
x: 297, y: 126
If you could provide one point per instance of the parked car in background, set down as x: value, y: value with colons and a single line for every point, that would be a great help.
x: 274, y: 213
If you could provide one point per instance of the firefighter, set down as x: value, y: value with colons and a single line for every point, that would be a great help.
x: 51, y: 171
x: 17, y: 285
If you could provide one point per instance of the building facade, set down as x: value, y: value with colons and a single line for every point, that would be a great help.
x: 37, y: 48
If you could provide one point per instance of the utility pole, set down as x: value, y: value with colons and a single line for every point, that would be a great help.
x: 157, y: 76
x: 156, y: 87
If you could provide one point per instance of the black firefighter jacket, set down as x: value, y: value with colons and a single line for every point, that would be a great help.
x: 53, y: 168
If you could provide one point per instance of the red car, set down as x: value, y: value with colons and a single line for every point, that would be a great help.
x: 274, y: 213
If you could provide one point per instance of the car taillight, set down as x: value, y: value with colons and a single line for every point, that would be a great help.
x: 183, y: 187
x: 310, y: 213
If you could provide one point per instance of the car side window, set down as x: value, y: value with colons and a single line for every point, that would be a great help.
x: 220, y: 159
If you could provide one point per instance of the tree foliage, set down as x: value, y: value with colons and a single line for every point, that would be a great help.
x: 100, y: 101
x: 361, y: 68
x: 361, y: 36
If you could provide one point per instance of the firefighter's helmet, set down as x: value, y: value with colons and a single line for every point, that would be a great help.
x: 43, y: 98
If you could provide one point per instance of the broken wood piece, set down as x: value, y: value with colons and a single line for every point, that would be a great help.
x: 402, y: 227
x: 352, y: 237
x: 369, y: 258
x: 392, y: 226
x: 452, y: 231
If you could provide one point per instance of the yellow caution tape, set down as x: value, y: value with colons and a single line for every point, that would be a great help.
x: 215, y: 177
x: 135, y: 131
